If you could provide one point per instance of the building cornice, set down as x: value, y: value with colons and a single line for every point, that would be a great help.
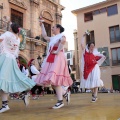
x: 92, y: 6
x: 35, y: 2
x: 61, y: 7
x: 18, y: 3
x: 40, y: 42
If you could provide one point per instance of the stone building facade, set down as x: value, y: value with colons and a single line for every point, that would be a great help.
x: 26, y: 14
x: 103, y: 21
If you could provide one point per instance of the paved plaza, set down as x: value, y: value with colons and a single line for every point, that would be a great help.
x: 106, y: 108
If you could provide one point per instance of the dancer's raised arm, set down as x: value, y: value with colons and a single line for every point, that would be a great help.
x: 83, y: 42
x: 44, y: 34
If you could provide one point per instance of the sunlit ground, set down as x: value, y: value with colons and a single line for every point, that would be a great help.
x: 106, y: 108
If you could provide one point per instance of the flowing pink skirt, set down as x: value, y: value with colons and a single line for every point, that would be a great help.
x: 55, y: 73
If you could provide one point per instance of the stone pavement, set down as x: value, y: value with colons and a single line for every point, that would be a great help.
x: 106, y: 108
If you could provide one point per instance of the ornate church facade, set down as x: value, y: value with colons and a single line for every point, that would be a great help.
x: 26, y: 14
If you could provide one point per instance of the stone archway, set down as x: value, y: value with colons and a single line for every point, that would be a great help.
x: 48, y: 20
x: 47, y: 15
x: 22, y: 60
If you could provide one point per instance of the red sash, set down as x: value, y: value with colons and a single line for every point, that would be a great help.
x: 51, y: 57
x: 90, y: 62
x: 97, y: 58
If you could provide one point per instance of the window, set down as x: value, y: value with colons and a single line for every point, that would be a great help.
x: 114, y: 34
x: 90, y: 37
x: 48, y: 28
x: 17, y: 17
x: 68, y: 55
x: 112, y: 10
x: 68, y: 62
x: 96, y: 12
x: 88, y: 16
x: 105, y: 52
x: 103, y: 10
x: 116, y: 82
x: 116, y: 56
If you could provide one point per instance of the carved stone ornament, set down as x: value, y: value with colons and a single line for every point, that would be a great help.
x: 47, y: 15
x: 35, y: 1
x: 22, y: 36
x: 19, y: 3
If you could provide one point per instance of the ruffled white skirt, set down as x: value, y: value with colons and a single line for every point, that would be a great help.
x: 93, y: 79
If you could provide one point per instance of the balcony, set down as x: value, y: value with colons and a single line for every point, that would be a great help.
x: 28, y: 32
x: 4, y: 26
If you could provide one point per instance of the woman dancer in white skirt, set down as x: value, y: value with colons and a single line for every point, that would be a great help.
x: 91, y: 59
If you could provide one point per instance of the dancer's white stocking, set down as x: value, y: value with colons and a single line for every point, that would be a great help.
x: 96, y: 91
x: 59, y: 92
x: 4, y: 96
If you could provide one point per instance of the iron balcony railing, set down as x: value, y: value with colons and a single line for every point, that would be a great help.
x: 4, y: 26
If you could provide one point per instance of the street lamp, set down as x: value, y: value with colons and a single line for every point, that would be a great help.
x: 1, y: 7
x: 39, y: 60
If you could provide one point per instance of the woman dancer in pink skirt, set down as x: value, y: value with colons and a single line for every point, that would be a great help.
x: 54, y: 69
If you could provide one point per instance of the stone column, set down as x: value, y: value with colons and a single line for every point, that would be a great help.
x: 58, y: 18
x: 34, y: 5
x: 77, y: 64
x: 58, y: 15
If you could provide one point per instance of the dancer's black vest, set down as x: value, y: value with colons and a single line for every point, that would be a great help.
x: 21, y: 67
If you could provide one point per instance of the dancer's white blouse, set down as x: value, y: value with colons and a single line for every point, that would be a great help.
x: 9, y: 45
x: 34, y: 71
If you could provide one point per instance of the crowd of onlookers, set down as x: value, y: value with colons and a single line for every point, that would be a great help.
x: 30, y: 71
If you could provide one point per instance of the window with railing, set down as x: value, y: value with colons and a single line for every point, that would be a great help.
x: 17, y: 17
x: 115, y: 56
x: 114, y: 34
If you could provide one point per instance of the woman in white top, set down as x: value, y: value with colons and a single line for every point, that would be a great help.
x: 12, y: 80
x: 33, y: 70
